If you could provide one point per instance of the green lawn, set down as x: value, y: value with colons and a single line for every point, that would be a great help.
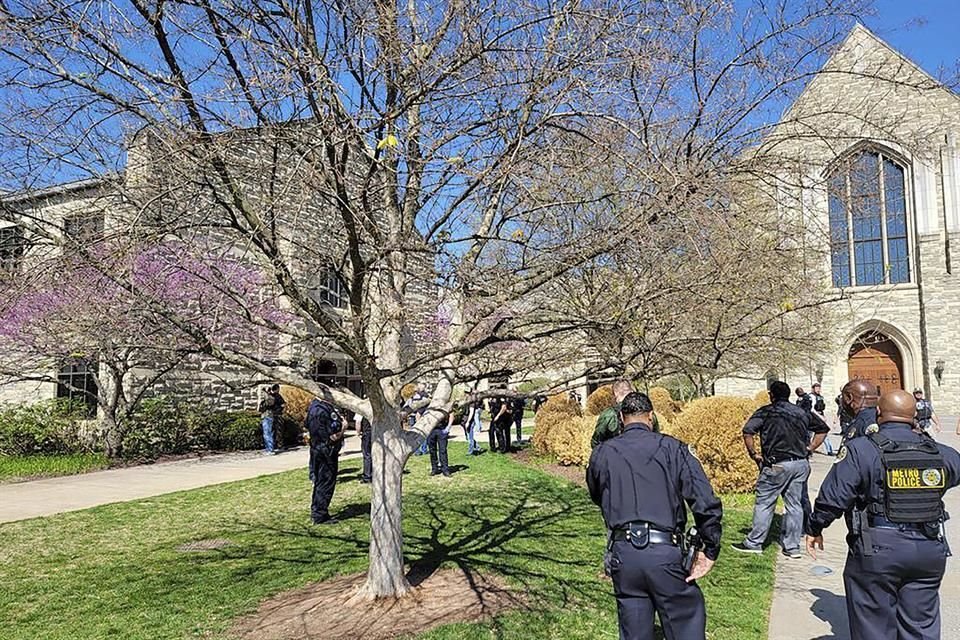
x: 115, y: 571
x: 13, y: 468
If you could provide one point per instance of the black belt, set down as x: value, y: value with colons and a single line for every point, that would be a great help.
x: 882, y: 523
x: 657, y: 536
x: 785, y: 460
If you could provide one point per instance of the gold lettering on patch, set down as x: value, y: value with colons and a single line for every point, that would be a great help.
x: 913, y: 479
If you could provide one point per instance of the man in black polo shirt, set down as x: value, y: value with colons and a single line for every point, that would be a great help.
x: 784, y: 467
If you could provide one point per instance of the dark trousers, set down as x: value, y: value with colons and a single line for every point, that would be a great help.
x: 366, y: 450
x: 437, y: 443
x: 493, y: 435
x: 652, y: 580
x: 895, y: 593
x: 326, y: 462
x: 501, y: 431
x: 518, y: 421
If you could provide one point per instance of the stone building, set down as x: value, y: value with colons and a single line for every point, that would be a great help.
x: 166, y: 181
x: 871, y: 169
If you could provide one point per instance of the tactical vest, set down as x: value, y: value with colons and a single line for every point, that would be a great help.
x: 924, y: 411
x: 914, y: 480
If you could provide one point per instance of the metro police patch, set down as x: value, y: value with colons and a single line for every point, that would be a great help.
x: 841, y: 455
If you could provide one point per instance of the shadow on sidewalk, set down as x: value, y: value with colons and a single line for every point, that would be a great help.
x: 832, y: 609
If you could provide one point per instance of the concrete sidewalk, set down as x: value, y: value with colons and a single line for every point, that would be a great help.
x: 36, y: 498
x: 809, y: 604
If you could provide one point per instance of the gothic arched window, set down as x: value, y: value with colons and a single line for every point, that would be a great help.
x: 868, y: 221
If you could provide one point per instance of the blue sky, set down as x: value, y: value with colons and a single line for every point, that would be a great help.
x: 926, y: 31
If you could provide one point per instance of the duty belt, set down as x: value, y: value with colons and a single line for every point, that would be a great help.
x: 655, y: 536
x: 878, y: 522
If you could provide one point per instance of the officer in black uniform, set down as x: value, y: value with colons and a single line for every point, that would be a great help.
x: 494, y: 405
x: 643, y: 482
x: 326, y: 438
x: 859, y: 398
x: 366, y: 449
x: 889, y: 487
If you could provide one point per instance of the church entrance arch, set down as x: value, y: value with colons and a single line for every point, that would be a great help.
x: 874, y: 357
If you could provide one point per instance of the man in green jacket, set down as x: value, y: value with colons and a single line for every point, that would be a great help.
x: 608, y: 422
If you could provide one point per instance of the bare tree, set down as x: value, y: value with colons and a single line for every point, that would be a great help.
x: 420, y: 186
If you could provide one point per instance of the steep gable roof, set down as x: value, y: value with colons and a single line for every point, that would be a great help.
x: 862, y: 39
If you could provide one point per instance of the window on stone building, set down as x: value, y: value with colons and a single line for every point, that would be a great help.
x: 332, y: 289
x: 77, y: 381
x: 12, y: 247
x: 83, y: 227
x: 868, y: 221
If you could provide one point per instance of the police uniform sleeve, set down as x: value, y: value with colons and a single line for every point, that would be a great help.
x: 596, y: 474
x: 839, y: 491
x: 704, y: 503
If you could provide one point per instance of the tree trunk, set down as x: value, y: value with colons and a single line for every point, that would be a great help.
x: 386, y: 577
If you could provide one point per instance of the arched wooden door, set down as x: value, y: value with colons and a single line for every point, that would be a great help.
x: 876, y: 359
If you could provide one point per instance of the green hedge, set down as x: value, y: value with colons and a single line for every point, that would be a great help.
x: 161, y: 426
x: 164, y: 427
x: 44, y: 428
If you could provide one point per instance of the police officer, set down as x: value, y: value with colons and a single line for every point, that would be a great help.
x: 493, y: 406
x: 784, y: 467
x: 326, y: 438
x: 889, y: 487
x: 366, y: 447
x: 804, y: 401
x: 859, y: 399
x: 643, y: 482
x: 925, y: 414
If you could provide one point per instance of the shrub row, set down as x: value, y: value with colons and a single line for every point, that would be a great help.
x: 160, y: 427
x: 712, y: 426
x: 48, y: 427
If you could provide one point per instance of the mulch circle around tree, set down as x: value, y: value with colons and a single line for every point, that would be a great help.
x: 331, y: 610
x: 573, y: 473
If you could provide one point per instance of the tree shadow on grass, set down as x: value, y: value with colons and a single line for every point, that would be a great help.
x: 546, y: 539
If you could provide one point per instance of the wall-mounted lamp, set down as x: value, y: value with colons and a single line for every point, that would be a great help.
x: 938, y: 372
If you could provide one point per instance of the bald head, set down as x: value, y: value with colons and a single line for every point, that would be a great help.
x: 859, y: 394
x: 620, y: 390
x: 896, y: 406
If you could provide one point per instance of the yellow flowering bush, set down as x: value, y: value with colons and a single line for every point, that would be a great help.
x: 554, y: 411
x: 297, y: 401
x: 663, y: 404
x: 600, y: 400
x: 714, y: 427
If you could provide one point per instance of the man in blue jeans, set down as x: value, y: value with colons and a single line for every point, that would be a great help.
x: 271, y: 408
x: 784, y: 467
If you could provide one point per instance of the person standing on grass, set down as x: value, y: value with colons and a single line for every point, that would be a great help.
x: 517, y: 405
x: 437, y: 445
x: 326, y: 438
x: 271, y: 409
x: 493, y: 406
x: 472, y: 426
x: 784, y: 467
x: 643, y: 483
x: 502, y: 424
x: 365, y: 429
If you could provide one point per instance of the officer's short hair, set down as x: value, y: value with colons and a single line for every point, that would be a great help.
x: 780, y: 390
x: 636, y: 403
